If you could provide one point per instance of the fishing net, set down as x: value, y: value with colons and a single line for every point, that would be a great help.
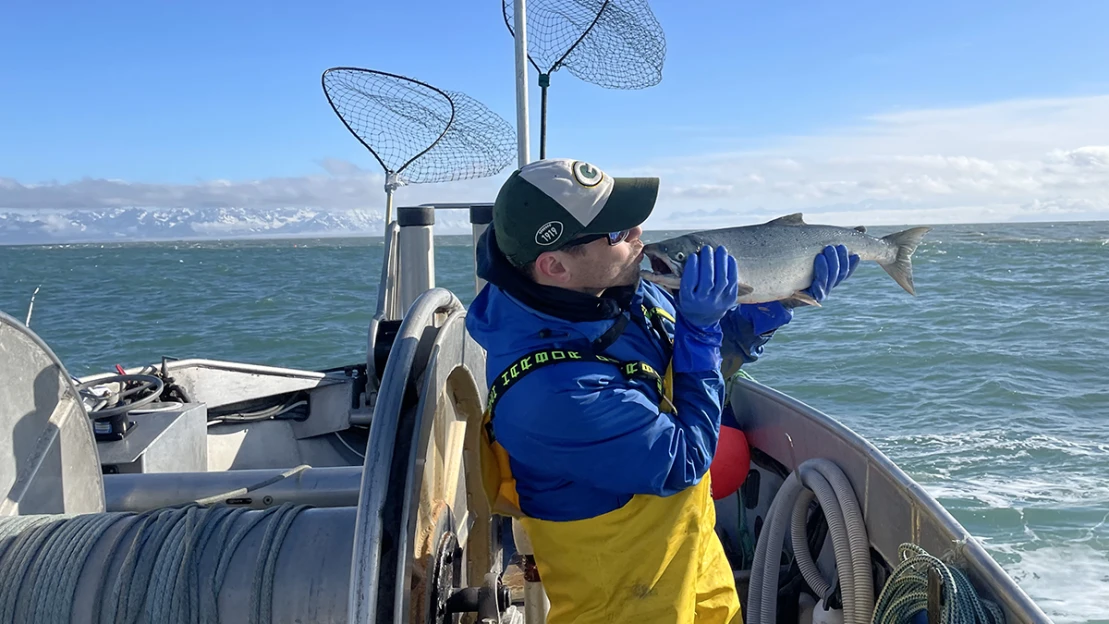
x: 616, y: 44
x: 417, y: 132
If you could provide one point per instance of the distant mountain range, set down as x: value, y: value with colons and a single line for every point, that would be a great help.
x: 141, y: 224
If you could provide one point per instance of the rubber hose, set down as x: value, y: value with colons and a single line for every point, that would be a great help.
x: 823, y: 479
x: 857, y: 534
x: 803, y: 556
x: 762, y: 591
x: 837, y: 528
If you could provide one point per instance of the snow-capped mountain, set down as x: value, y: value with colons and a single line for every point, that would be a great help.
x: 138, y: 224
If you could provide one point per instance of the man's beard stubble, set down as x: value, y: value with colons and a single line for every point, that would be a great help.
x: 630, y: 274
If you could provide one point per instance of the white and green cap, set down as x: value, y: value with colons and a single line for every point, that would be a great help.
x: 547, y: 203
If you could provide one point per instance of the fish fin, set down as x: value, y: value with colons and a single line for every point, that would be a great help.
x: 800, y: 298
x: 901, y: 269
x: 790, y: 219
x: 744, y: 290
x: 860, y: 228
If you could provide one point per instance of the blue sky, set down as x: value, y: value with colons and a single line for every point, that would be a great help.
x: 184, y: 95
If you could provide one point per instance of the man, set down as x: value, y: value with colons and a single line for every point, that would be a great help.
x: 606, y: 395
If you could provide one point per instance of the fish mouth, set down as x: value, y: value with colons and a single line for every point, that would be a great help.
x: 660, y: 262
x: 663, y: 272
x: 660, y: 265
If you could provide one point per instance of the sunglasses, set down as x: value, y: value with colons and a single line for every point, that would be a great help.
x: 614, y: 238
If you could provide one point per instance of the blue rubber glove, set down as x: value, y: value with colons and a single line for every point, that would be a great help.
x: 762, y: 317
x: 709, y: 287
x: 830, y: 268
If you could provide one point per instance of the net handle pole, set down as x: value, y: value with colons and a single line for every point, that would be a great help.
x: 392, y: 183
x: 544, y: 82
x: 388, y: 205
x: 521, y: 42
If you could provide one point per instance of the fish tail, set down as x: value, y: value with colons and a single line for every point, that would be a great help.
x: 905, y: 242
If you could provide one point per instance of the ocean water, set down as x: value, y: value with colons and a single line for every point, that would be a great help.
x: 990, y: 387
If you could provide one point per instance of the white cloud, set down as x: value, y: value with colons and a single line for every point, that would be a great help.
x: 1025, y: 160
x: 1044, y: 159
x: 346, y: 187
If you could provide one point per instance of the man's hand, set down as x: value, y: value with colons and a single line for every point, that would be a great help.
x: 709, y: 287
x: 829, y: 269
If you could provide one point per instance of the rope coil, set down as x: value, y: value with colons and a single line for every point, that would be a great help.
x: 163, y: 575
x: 906, y: 592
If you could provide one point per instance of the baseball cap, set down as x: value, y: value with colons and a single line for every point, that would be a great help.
x: 547, y: 203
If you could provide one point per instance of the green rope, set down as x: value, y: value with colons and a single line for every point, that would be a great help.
x: 906, y: 592
x: 746, y: 540
x: 161, y: 577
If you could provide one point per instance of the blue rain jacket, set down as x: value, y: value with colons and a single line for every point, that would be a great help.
x: 593, y: 438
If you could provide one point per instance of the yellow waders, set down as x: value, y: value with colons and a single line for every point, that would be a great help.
x: 656, y: 559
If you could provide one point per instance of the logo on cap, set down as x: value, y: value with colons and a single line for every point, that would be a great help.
x: 586, y: 174
x: 548, y: 233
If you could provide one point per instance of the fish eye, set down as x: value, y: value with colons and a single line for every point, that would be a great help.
x: 679, y: 256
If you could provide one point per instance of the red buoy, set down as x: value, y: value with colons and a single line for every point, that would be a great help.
x: 731, y: 463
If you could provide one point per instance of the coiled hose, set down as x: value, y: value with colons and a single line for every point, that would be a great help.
x: 822, y: 479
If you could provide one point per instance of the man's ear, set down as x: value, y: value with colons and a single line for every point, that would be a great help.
x: 550, y: 268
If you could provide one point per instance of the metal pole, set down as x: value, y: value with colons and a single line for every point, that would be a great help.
x: 392, y: 252
x: 544, y: 82
x: 416, y: 253
x: 536, y: 604
x: 320, y: 487
x: 543, y: 123
x: 388, y: 204
x: 521, y: 39
x: 480, y: 218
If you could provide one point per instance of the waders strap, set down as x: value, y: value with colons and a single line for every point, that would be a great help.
x: 546, y: 357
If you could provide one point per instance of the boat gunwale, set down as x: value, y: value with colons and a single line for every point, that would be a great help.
x: 983, y: 568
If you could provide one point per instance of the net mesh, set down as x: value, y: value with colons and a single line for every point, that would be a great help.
x: 416, y: 131
x: 617, y: 44
x: 477, y: 144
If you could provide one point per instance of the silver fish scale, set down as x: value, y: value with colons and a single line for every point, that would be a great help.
x: 776, y: 258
